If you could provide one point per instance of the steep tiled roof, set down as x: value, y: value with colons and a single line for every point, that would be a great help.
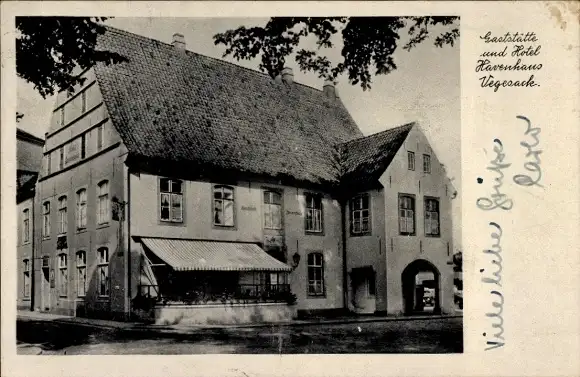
x: 28, y: 151
x: 178, y: 106
x: 25, y: 184
x: 363, y: 160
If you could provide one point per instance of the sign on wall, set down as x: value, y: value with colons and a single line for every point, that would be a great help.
x: 73, y: 151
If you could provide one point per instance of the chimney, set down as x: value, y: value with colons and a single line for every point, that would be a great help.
x: 328, y: 89
x: 178, y: 41
x: 287, y: 75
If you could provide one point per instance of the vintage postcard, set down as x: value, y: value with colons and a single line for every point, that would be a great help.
x: 290, y: 188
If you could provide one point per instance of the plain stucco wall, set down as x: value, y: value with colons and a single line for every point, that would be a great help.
x: 106, y: 164
x: 198, y: 224
x: 403, y: 249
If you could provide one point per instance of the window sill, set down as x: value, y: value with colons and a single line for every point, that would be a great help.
x: 316, y: 296
x: 314, y: 233
x: 25, y: 298
x: 103, y: 225
x: 171, y: 223
x: 432, y: 236
x: 61, y: 296
x: 360, y: 234
x: 407, y: 234
x: 81, y: 230
x: 45, y: 238
x: 25, y: 243
x: 224, y: 227
x: 103, y: 298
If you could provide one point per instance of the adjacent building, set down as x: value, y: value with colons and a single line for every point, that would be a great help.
x: 181, y: 188
x: 28, y: 163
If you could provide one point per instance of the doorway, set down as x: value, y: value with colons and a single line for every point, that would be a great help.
x: 421, y: 288
x: 363, y: 282
x: 45, y: 285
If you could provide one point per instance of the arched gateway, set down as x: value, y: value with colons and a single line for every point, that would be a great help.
x: 420, y: 278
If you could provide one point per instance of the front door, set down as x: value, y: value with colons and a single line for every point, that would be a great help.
x: 363, y: 287
x: 45, y: 289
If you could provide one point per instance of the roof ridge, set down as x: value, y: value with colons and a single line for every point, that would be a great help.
x: 211, y: 57
x: 410, y: 124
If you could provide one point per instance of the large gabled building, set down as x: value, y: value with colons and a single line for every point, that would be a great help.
x: 180, y: 187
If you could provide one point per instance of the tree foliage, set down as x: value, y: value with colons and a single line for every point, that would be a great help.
x: 368, y: 43
x: 48, y: 49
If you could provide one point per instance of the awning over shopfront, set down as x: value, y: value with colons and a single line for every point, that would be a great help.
x: 189, y: 255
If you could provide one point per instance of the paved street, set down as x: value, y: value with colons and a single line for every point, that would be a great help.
x: 404, y: 336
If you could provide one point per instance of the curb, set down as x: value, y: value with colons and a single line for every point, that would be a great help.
x: 180, y: 328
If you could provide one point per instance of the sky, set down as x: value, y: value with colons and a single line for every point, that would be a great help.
x: 424, y: 88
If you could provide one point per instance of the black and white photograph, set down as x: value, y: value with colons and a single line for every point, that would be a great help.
x: 274, y: 185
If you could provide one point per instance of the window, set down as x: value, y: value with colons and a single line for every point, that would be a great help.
x: 83, y: 145
x: 61, y: 157
x: 315, y: 274
x: 406, y: 215
x: 46, y: 219
x: 313, y: 213
x: 223, y: 204
x: 81, y: 273
x: 100, y: 134
x: 426, y: 163
x: 26, y: 269
x: 62, y: 275
x: 103, y: 203
x: 62, y: 116
x: 360, y: 215
x: 62, y: 215
x: 411, y: 160
x: 26, y: 225
x: 83, y: 101
x: 171, y: 200
x: 272, y: 210
x: 48, y: 163
x: 82, y: 209
x: 432, y: 217
x: 103, y: 271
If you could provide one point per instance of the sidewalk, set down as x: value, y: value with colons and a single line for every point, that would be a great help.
x: 179, y: 328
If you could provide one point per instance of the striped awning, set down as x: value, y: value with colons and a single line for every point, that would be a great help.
x: 189, y: 255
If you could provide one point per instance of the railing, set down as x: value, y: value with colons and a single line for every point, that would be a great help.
x: 242, y: 293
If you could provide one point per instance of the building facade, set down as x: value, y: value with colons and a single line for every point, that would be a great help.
x: 181, y: 188
x: 28, y: 159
